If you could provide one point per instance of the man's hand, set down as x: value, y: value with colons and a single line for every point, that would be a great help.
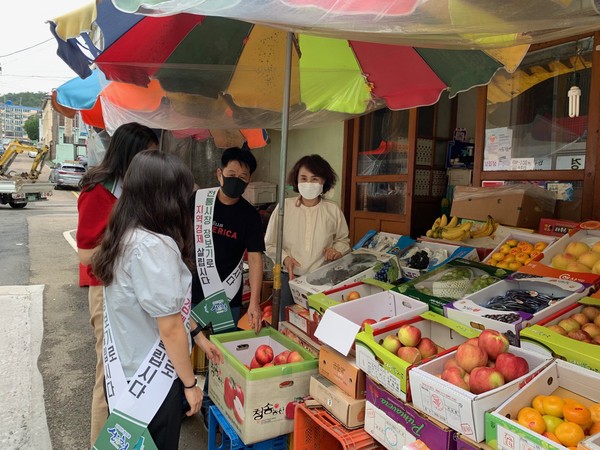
x: 289, y: 264
x: 255, y: 316
x: 331, y: 254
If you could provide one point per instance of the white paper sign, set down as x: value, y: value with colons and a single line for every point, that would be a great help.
x: 522, y: 164
x: 498, y: 149
x: 570, y: 162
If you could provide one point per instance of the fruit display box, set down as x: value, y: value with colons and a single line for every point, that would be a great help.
x: 394, y: 423
x: 350, y: 268
x: 559, y: 378
x: 382, y: 242
x: 302, y: 319
x: 580, y: 353
x: 392, y: 372
x: 341, y: 323
x: 472, y: 312
x: 438, y: 254
x: 343, y: 371
x: 299, y: 337
x: 451, y: 281
x: 318, y: 303
x: 555, y: 260
x: 259, y: 403
x: 460, y: 409
x: 349, y: 411
x: 513, y: 249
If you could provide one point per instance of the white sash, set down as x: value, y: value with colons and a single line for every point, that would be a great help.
x: 141, y: 398
x: 205, y: 249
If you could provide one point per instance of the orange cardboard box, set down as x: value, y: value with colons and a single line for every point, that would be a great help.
x: 343, y: 371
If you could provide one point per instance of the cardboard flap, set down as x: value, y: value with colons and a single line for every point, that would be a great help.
x: 337, y: 331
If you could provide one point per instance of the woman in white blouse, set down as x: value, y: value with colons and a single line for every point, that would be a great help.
x: 314, y: 229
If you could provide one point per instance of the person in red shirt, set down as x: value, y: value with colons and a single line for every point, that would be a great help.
x: 100, y: 189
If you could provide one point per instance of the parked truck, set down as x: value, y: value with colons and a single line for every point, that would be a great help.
x: 18, y: 189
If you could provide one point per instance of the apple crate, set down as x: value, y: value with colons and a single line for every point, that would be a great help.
x: 451, y: 281
x: 259, y: 403
x: 316, y: 429
x: 559, y: 378
x: 446, y: 252
x: 545, y: 267
x: 341, y: 323
x: 580, y: 353
x: 462, y: 410
x: 392, y: 372
x: 472, y: 312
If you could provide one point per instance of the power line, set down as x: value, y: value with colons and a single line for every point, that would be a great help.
x: 27, y: 48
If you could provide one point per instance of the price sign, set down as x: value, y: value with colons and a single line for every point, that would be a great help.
x: 570, y: 162
x: 522, y: 164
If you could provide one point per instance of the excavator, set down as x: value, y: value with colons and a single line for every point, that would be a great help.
x: 19, y: 189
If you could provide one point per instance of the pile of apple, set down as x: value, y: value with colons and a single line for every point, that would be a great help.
x: 484, y: 363
x: 264, y: 357
x: 514, y: 253
x: 579, y: 257
x: 267, y: 312
x: 583, y: 326
x: 409, y: 346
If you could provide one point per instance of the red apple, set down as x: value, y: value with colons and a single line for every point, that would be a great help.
x: 473, y: 341
x: 493, y: 342
x: 427, y: 347
x: 592, y: 329
x: 557, y: 329
x: 579, y: 335
x: 511, y: 366
x: 294, y: 356
x: 391, y: 343
x: 254, y: 364
x: 228, y: 392
x: 367, y: 321
x: 290, y: 410
x: 451, y: 362
x: 263, y: 354
x: 281, y: 358
x: 469, y: 356
x: 409, y: 335
x: 409, y: 354
x: 454, y: 375
x: 483, y: 379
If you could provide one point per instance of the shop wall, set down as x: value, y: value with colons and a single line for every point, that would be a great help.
x: 467, y: 111
x: 327, y: 141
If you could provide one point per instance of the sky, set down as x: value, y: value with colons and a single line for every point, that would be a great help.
x: 23, y: 25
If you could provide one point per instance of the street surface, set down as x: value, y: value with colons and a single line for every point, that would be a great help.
x: 46, y: 342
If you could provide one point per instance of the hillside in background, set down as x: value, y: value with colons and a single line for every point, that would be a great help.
x: 32, y: 99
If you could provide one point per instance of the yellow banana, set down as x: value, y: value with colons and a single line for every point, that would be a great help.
x: 466, y: 226
x: 485, y: 230
x: 453, y: 234
x: 436, y: 223
x: 429, y: 233
x: 444, y: 220
x: 453, y: 222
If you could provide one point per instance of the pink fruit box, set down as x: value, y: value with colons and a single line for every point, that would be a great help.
x: 544, y: 266
x: 393, y: 372
x: 259, y: 403
x: 462, y: 410
x: 340, y: 324
x: 559, y: 378
x: 469, y: 310
x: 539, y: 338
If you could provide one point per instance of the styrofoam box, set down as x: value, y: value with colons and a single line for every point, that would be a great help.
x: 350, y: 268
x: 469, y: 310
x: 258, y: 192
x: 462, y: 410
x: 341, y: 323
x: 559, y: 378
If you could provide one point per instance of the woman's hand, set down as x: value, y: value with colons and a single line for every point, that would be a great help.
x: 213, y: 354
x: 331, y: 254
x: 289, y: 264
x: 194, y: 398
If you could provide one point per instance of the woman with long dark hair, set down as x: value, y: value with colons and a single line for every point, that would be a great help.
x: 144, y: 262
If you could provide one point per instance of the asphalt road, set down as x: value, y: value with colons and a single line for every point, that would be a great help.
x: 36, y: 249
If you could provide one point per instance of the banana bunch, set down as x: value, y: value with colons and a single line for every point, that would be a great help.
x: 487, y: 229
x: 449, y: 229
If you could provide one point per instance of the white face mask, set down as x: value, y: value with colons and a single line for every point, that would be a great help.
x: 310, y: 191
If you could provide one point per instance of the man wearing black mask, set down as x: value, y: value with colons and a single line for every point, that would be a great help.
x: 225, y: 227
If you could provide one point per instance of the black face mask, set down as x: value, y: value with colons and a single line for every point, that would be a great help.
x: 233, y: 187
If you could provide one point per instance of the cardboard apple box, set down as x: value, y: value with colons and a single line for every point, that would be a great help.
x: 462, y: 410
x: 544, y: 267
x: 341, y: 323
x: 302, y: 319
x: 453, y: 251
x: 532, y: 238
x: 470, y: 310
x: 559, y: 378
x: 265, y: 396
x: 394, y: 423
x: 318, y: 303
x: 576, y: 352
x: 393, y: 372
x: 349, y: 411
x: 342, y: 371
x: 299, y: 337
x: 353, y: 267
x: 464, y: 443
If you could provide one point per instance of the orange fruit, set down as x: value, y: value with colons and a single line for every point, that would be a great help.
x: 570, y: 401
x: 498, y: 256
x: 514, y: 251
x: 594, y: 429
x: 509, y: 258
x: 537, y: 403
x: 492, y: 262
x: 552, y: 437
x: 577, y: 413
x: 532, y: 419
x: 595, y: 411
x: 569, y: 433
x: 553, y: 405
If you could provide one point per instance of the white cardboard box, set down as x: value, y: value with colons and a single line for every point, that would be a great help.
x: 462, y: 410
x: 341, y: 323
x: 259, y: 192
x: 469, y: 310
x: 560, y: 377
x: 452, y: 252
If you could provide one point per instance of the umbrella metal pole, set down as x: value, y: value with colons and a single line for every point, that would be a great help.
x: 282, y: 173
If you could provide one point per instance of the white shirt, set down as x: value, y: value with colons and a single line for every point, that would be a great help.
x: 150, y: 281
x: 307, y: 231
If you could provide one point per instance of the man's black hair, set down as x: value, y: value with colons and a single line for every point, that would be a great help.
x: 240, y: 155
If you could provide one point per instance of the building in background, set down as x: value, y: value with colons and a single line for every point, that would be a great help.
x: 66, y: 137
x: 12, y: 119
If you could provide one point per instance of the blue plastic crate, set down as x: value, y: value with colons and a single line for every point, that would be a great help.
x: 222, y: 436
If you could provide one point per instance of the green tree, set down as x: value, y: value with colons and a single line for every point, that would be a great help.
x: 32, y: 127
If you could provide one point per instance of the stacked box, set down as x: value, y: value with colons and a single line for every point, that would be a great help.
x: 343, y: 371
x: 348, y: 410
x: 296, y: 335
x: 302, y: 319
